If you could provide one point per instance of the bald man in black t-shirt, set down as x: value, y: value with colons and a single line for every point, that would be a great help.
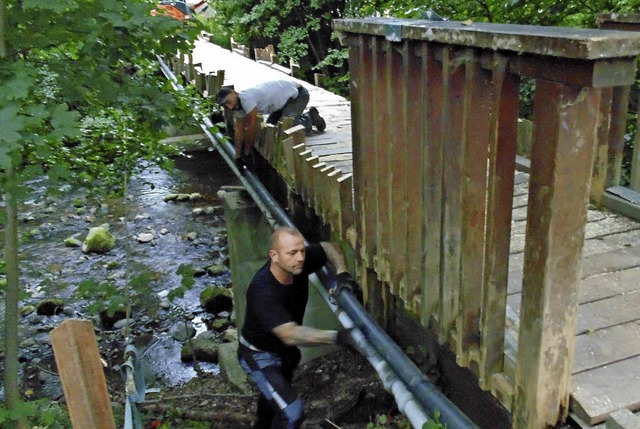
x: 276, y: 301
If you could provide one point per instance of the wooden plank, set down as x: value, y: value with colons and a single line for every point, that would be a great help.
x: 502, y: 149
x: 316, y: 182
x: 602, y: 347
x: 85, y: 389
x: 600, y: 163
x: 608, y: 312
x: 346, y: 223
x: 604, y: 227
x: 416, y: 129
x: 325, y: 184
x: 398, y: 111
x: 599, y: 392
x: 617, y: 129
x: 452, y: 113
x: 383, y: 67
x: 433, y: 93
x: 361, y: 67
x: 477, y: 108
x: 565, y: 122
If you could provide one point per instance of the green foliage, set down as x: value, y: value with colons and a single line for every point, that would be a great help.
x: 40, y: 413
x: 82, y: 98
x: 435, y: 422
x: 186, y: 271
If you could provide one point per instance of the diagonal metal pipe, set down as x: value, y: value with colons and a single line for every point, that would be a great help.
x: 413, y: 391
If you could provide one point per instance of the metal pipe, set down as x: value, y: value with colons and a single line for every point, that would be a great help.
x: 406, y: 376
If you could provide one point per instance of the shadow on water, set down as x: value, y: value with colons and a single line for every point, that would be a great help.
x: 49, y: 269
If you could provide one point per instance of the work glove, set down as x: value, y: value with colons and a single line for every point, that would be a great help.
x: 344, y: 339
x: 344, y: 281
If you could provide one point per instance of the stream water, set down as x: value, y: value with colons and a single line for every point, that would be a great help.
x: 49, y: 269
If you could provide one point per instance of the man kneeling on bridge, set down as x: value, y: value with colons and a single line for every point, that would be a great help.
x: 276, y: 301
x: 276, y: 98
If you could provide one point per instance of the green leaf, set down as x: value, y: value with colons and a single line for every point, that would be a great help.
x: 10, y: 124
x: 65, y: 122
x: 51, y: 5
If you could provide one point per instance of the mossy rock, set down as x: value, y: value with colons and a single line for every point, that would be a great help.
x: 50, y: 306
x: 98, y: 240
x: 215, y: 299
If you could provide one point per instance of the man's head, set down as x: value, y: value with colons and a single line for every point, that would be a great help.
x: 287, y: 251
x: 228, y: 98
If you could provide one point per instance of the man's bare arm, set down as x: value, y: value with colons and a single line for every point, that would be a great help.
x: 293, y: 334
x: 335, y: 256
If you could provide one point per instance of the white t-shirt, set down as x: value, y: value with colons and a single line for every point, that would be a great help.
x: 268, y: 96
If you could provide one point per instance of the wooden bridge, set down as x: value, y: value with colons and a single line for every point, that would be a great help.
x: 534, y: 289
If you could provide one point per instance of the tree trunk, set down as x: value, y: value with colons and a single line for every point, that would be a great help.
x: 11, y: 382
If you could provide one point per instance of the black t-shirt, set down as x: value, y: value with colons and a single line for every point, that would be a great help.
x: 271, y: 304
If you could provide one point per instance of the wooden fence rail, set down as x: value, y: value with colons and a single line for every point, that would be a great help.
x: 434, y: 129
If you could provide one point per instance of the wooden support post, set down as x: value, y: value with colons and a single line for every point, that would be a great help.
x: 451, y: 250
x: 600, y: 163
x: 565, y: 126
x: 432, y: 92
x: 83, y: 382
x: 477, y: 109
x: 635, y: 160
x: 502, y: 159
x: 617, y: 128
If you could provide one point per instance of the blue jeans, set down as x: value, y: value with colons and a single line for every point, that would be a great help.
x: 279, y: 406
x: 295, y: 109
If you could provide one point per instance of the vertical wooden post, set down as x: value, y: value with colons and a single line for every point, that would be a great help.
x: 635, y: 160
x: 565, y: 120
x: 83, y: 382
x: 450, y: 250
x: 415, y: 130
x: 601, y: 162
x: 502, y: 160
x: 477, y: 108
x: 398, y: 145
x: 432, y: 190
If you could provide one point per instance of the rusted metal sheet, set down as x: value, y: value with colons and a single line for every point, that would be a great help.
x: 564, y: 139
x: 452, y: 136
x: 502, y: 158
x: 477, y: 110
x: 548, y: 41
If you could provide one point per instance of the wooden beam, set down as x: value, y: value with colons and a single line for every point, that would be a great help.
x: 81, y: 373
x: 565, y: 129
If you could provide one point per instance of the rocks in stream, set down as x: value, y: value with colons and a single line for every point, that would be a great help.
x: 183, y: 197
x: 98, y: 240
x: 215, y: 299
x: 203, y: 347
x: 50, y: 306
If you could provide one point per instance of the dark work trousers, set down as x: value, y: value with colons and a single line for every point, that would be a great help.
x: 279, y: 406
x: 294, y: 108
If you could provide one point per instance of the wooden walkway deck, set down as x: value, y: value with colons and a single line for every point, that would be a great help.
x: 606, y: 372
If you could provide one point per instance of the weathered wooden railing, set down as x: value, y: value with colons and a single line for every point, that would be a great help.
x: 607, y: 168
x: 434, y: 127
